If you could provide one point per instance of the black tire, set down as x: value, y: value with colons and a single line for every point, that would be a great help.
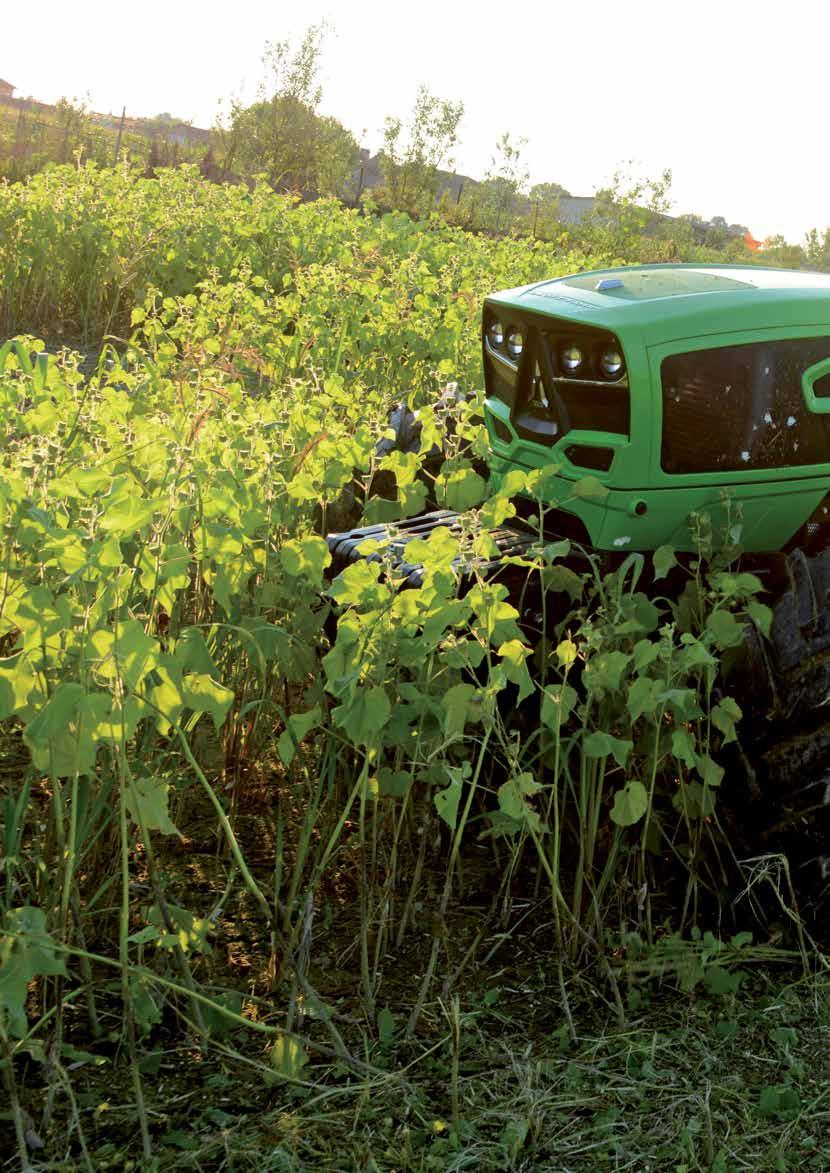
x: 783, y: 687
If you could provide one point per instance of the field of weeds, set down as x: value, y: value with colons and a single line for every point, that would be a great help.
x: 302, y: 872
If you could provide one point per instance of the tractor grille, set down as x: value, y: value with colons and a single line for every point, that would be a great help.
x: 739, y: 408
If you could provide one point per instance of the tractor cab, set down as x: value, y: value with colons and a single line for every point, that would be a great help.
x: 680, y: 387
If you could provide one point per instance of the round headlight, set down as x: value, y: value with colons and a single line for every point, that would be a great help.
x: 495, y: 334
x: 571, y: 359
x: 515, y: 343
x: 612, y: 364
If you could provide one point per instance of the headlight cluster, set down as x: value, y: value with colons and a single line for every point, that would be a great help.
x: 509, y: 340
x: 575, y: 363
x: 599, y: 358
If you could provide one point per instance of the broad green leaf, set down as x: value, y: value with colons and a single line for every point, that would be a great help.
x: 600, y: 745
x: 543, y: 483
x: 562, y: 578
x: 113, y: 719
x: 438, y: 551
x: 725, y: 629
x: 761, y: 615
x: 645, y: 653
x: 147, y: 799
x: 709, y: 770
x: 513, y: 796
x: 683, y: 747
x: 461, y: 489
x: 590, y: 488
x: 694, y: 655
x: 457, y: 705
x: 125, y: 652
x: 566, y: 653
x: 386, y: 1026
x: 161, y: 688
x: 191, y: 652
x: 18, y: 683
x: 495, y: 616
x: 299, y: 725
x: 605, y: 670
x: 782, y: 1100
x: 630, y: 804
x: 447, y: 800
x: 412, y: 499
x: 725, y: 715
x: 558, y: 702
x: 785, y: 1036
x: 27, y: 951
x: 42, y: 418
x: 554, y: 550
x: 59, y: 737
x: 358, y: 585
x: 217, y: 1024
x: 644, y: 698
x: 364, y: 716
x: 43, y: 618
x: 393, y: 783
x: 682, y: 703
x: 663, y: 559
x: 721, y: 982
x: 81, y: 482
x: 165, y: 570
x: 203, y: 694
x: 306, y: 558
x: 288, y: 1057
x: 696, y: 801
x: 128, y: 514
x: 514, y: 656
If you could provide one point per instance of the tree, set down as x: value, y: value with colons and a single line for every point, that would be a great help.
x: 548, y: 192
x: 72, y: 122
x: 504, y: 182
x: 281, y: 135
x: 544, y: 209
x: 628, y: 217
x: 788, y: 256
x: 412, y: 153
x: 817, y: 249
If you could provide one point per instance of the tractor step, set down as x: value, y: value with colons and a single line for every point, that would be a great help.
x: 345, y: 547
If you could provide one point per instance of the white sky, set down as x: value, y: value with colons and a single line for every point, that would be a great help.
x: 731, y: 95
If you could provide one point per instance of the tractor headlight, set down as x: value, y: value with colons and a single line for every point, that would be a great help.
x: 571, y: 359
x: 611, y: 363
x: 495, y: 334
x: 515, y: 343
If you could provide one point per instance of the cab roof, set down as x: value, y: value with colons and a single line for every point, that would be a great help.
x: 665, y: 302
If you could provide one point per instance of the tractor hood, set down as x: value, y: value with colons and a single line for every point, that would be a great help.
x: 663, y: 303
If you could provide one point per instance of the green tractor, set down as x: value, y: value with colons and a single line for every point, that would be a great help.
x: 683, y: 390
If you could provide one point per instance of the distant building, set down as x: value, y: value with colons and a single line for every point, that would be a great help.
x: 6, y: 89
x: 574, y: 209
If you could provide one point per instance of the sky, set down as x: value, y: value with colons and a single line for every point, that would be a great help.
x: 731, y: 96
